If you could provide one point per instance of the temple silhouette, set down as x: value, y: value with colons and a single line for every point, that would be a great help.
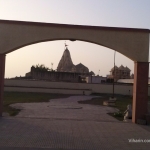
x: 66, y: 71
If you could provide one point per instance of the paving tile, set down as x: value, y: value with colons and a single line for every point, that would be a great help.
x: 39, y: 127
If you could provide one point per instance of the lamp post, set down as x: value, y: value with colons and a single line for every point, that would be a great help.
x: 114, y: 75
x: 98, y: 72
x: 51, y: 66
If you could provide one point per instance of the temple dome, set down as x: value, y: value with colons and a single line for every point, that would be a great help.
x: 81, y: 68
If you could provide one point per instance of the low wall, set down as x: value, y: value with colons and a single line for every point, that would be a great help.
x: 42, y: 90
x: 108, y: 88
x: 64, y: 87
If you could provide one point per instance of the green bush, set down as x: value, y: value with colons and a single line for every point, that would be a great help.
x: 118, y: 114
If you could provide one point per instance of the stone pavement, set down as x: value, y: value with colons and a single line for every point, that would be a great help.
x: 63, y: 124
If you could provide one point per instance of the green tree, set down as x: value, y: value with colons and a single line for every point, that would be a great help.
x: 41, y: 67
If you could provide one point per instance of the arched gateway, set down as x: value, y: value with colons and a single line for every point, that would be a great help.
x: 133, y: 43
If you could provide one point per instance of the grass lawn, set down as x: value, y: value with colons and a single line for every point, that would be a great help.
x: 121, y: 103
x: 26, y: 97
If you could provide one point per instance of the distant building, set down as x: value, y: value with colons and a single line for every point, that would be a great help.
x: 66, y: 71
x: 66, y: 64
x: 119, y: 73
x: 132, y: 76
x: 95, y: 79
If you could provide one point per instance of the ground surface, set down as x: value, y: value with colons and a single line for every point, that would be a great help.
x: 65, y: 124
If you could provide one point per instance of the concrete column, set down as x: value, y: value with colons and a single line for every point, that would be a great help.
x: 140, y: 91
x: 2, y: 71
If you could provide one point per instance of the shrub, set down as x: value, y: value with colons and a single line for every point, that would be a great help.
x: 118, y: 114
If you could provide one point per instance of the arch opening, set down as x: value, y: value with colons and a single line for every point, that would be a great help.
x: 66, y: 39
x: 81, y: 52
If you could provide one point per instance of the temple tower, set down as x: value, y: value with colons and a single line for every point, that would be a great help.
x: 65, y: 64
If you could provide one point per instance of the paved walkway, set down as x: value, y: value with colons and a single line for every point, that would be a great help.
x: 63, y: 124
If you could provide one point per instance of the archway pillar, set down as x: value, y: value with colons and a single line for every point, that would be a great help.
x: 2, y: 71
x: 140, y: 91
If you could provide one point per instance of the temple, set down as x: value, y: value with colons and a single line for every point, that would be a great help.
x: 66, y: 71
x: 119, y: 73
x: 66, y: 64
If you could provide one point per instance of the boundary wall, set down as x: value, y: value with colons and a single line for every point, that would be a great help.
x: 65, y: 87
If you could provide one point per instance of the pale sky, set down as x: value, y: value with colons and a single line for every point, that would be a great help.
x: 110, y: 13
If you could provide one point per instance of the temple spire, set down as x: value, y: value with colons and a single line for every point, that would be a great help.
x: 65, y: 64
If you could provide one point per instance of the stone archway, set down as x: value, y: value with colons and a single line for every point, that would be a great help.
x: 133, y: 43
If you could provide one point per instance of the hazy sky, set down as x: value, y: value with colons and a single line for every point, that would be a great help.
x: 112, y: 13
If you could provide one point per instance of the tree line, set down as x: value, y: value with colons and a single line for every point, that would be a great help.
x: 41, y: 67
